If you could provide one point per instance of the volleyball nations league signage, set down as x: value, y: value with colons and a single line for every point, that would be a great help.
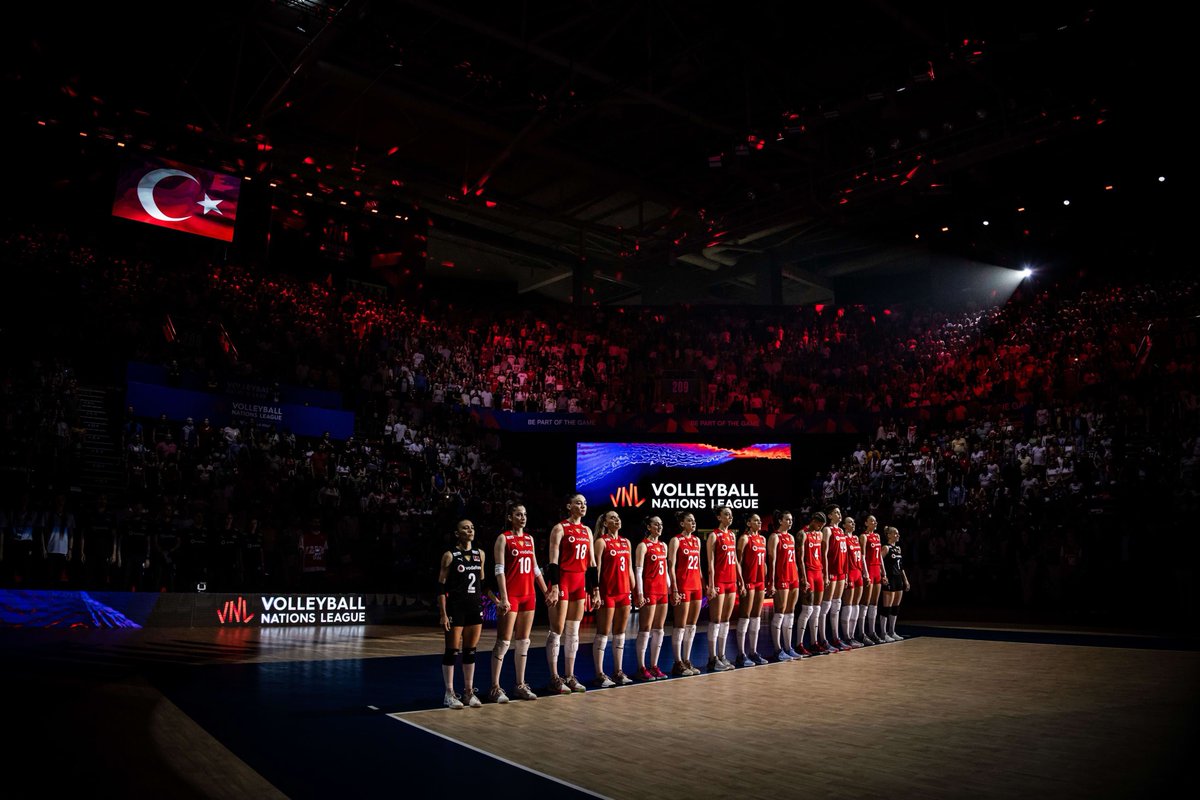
x: 178, y: 196
x: 285, y: 610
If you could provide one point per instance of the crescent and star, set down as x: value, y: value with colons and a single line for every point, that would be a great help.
x: 145, y: 192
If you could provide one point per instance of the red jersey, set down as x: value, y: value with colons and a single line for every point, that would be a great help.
x: 654, y: 569
x: 575, y: 547
x: 687, y: 564
x: 874, y: 552
x: 785, y: 559
x: 856, y: 555
x: 518, y: 564
x: 754, y: 559
x: 839, y: 550
x: 614, y: 567
x: 812, y: 552
x: 724, y: 557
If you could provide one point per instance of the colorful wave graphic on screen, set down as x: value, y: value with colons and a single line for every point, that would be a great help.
x: 595, y: 461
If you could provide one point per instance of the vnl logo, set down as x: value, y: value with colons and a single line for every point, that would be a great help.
x: 626, y: 496
x: 235, y: 611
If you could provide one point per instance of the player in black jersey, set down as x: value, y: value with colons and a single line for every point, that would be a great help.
x: 895, y: 584
x: 460, y: 585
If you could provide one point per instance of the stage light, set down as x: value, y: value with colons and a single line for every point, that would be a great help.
x: 945, y: 229
x: 916, y: 236
x: 1025, y: 273
x: 1066, y: 202
x: 1162, y: 178
x: 986, y: 223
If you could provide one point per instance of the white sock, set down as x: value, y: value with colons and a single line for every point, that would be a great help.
x: 678, y: 633
x: 643, y: 639
x: 755, y: 625
x: 570, y: 646
x: 844, y: 623
x: 789, y: 621
x: 689, y: 642
x: 448, y: 677
x: 598, y: 645
x: 777, y: 629
x: 814, y: 625
x: 823, y: 614
x: 552, y: 645
x: 713, y: 627
x: 520, y: 653
x: 656, y: 637
x: 618, y: 653
x: 872, y: 614
x: 835, y: 609
x: 722, y: 636
x: 860, y: 622
x: 892, y: 622
x: 498, y: 651
x: 805, y: 615
x: 743, y: 625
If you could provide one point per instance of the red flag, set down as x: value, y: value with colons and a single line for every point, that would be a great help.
x: 179, y: 196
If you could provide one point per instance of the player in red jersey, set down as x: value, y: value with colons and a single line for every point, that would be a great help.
x: 752, y: 552
x: 724, y: 586
x: 614, y: 560
x: 516, y: 573
x: 837, y: 553
x: 652, y: 597
x: 683, y: 558
x: 571, y: 573
x: 872, y: 549
x: 784, y: 584
x: 848, y: 618
x: 816, y: 578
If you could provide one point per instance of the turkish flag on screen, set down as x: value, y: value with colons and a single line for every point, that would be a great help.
x: 179, y: 196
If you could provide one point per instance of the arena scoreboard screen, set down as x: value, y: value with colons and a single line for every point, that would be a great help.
x: 694, y: 477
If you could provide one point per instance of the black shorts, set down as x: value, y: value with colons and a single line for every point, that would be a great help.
x: 893, y: 583
x: 464, y: 612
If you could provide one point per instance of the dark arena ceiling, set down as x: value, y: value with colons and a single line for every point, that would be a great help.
x: 653, y: 151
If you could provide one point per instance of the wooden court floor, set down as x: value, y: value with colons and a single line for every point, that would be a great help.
x: 927, y: 717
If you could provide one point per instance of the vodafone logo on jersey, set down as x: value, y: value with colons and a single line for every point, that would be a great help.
x: 170, y: 194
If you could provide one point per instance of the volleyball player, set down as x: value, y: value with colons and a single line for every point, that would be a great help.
x: 837, y: 552
x: 752, y: 557
x: 460, y: 584
x: 653, y: 594
x: 872, y: 549
x: 895, y: 584
x: 783, y: 585
x: 724, y: 586
x: 683, y: 558
x: 571, y: 573
x: 614, y: 563
x: 816, y: 578
x: 516, y: 572
x: 848, y: 618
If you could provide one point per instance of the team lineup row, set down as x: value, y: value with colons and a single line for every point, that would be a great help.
x: 847, y: 587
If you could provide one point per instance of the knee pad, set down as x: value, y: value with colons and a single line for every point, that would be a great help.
x: 469, y: 655
x: 449, y: 656
x: 522, y: 647
x: 500, y: 648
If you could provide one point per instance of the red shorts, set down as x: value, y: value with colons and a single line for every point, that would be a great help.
x: 691, y: 595
x: 756, y: 587
x: 854, y: 579
x: 787, y: 585
x: 571, y: 586
x: 615, y: 600
x: 816, y: 582
x: 655, y: 599
x: 835, y: 578
x: 875, y: 574
x: 727, y: 588
x: 526, y: 603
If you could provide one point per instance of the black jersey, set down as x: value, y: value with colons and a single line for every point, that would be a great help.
x: 893, y: 564
x: 464, y: 583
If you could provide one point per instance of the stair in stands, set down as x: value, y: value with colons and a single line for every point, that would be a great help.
x: 103, y: 464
